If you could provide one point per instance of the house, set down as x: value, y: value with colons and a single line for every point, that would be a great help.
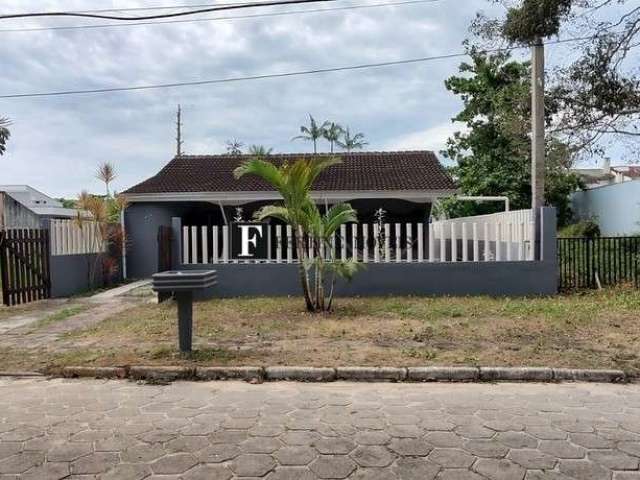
x: 22, y: 206
x: 607, y: 175
x: 202, y: 191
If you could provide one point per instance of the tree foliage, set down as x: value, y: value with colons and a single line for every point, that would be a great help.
x: 596, y: 94
x: 493, y: 155
x: 5, y: 133
x: 294, y: 182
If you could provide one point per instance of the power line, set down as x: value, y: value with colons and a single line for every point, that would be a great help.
x: 211, y: 19
x: 158, y: 16
x: 160, y: 7
x: 274, y: 75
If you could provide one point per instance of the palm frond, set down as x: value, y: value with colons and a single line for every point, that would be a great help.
x: 273, y: 211
x: 337, y: 216
x: 263, y: 169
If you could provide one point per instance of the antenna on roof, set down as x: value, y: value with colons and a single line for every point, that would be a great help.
x: 179, y: 141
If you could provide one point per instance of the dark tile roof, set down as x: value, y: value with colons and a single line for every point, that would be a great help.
x: 411, y: 170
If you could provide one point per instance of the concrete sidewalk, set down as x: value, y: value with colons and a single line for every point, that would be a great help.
x: 122, y: 430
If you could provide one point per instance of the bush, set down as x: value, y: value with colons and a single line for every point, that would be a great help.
x: 583, y: 229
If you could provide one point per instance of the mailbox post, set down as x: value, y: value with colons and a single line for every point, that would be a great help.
x: 182, y: 284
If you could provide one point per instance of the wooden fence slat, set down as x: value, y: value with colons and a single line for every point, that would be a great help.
x: 185, y: 245
x: 205, y: 244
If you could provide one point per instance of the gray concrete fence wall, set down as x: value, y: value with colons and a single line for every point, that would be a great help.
x: 70, y: 274
x: 461, y: 278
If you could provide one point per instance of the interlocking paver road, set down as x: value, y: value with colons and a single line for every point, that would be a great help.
x: 87, y: 429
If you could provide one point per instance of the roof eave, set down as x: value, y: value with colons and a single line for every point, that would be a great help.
x: 333, y: 195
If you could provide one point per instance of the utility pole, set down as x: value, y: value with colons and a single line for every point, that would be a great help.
x: 537, y: 138
x: 179, y: 132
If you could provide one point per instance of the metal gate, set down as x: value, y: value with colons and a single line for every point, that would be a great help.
x: 24, y: 266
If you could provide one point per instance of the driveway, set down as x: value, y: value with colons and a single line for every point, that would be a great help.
x: 84, y: 429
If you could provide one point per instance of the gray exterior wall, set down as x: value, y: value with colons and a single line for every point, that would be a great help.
x: 142, y: 221
x: 70, y: 274
x: 616, y: 207
x: 468, y: 278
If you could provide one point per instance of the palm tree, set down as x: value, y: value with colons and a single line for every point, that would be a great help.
x: 4, y: 134
x: 333, y: 133
x: 106, y: 173
x: 234, y: 146
x: 349, y: 142
x: 313, y: 132
x: 294, y: 182
x: 260, y: 150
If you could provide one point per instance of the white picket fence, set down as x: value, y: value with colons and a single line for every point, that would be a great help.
x: 505, y: 236
x: 68, y: 237
x: 500, y: 237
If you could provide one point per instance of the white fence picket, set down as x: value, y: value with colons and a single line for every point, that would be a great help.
x: 205, y: 244
x: 387, y: 243
x: 432, y: 243
x: 476, y: 243
x: 420, y: 235
x: 454, y: 243
x: 289, y: 244
x: 343, y: 243
x: 376, y: 243
x: 279, y: 243
x: 194, y: 245
x: 365, y: 243
x: 214, y: 245
x: 398, y: 242
x: 354, y: 242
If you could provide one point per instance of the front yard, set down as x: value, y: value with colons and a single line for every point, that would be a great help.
x: 595, y: 329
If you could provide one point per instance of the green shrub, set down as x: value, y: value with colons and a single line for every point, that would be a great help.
x: 584, y: 228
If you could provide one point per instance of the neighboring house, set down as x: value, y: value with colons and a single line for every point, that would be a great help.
x: 22, y: 206
x: 607, y: 175
x: 202, y: 191
x: 615, y: 207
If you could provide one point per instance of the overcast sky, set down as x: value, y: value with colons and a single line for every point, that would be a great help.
x: 57, y: 142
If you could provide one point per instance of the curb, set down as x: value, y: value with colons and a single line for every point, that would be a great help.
x: 21, y: 374
x: 328, y: 374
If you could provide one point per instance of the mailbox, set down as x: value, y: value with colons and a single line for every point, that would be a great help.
x: 182, y: 284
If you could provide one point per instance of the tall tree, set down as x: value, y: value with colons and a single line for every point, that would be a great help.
x: 234, y: 146
x: 313, y: 132
x: 493, y: 155
x: 107, y: 174
x: 4, y: 134
x: 350, y: 142
x: 332, y: 134
x: 596, y: 92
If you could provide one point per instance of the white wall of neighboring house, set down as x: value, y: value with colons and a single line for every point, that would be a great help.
x: 615, y: 207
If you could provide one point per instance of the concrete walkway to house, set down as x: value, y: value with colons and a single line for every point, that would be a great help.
x: 49, y: 320
x: 120, y: 430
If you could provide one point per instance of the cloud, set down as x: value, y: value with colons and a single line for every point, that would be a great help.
x: 434, y: 138
x: 57, y: 142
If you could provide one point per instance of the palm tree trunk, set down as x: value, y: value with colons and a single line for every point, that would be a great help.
x: 315, y: 147
x: 304, y: 277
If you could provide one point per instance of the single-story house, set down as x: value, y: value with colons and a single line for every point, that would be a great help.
x: 202, y: 191
x: 22, y: 206
x: 607, y: 174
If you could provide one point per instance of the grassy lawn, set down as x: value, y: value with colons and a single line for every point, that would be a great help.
x: 593, y: 329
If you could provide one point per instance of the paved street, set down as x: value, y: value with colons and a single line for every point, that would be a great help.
x: 120, y: 430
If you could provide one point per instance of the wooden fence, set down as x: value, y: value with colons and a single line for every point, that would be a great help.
x: 70, y: 237
x: 599, y: 261
x: 24, y: 266
x: 474, y: 239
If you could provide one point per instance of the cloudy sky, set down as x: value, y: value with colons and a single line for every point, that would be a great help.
x: 57, y: 142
